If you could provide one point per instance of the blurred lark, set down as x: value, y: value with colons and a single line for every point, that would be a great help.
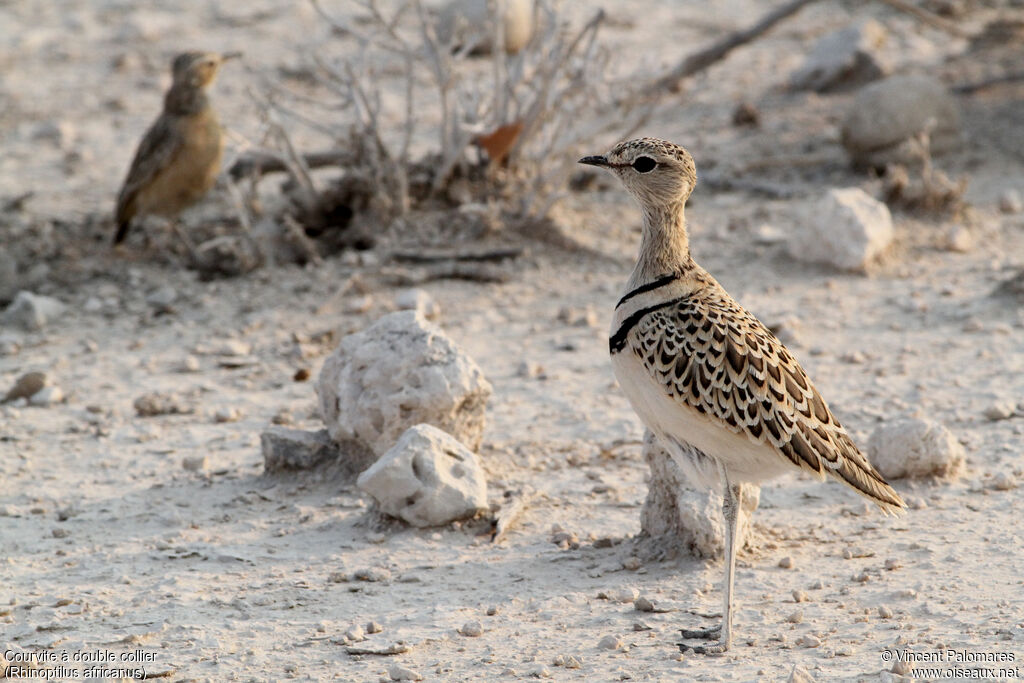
x: 721, y: 392
x: 178, y: 159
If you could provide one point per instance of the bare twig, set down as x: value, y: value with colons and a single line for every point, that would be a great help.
x: 702, y: 59
x: 474, y: 272
x: 927, y: 17
x: 499, y: 254
x: 256, y: 164
x: 393, y: 649
x: 514, y: 505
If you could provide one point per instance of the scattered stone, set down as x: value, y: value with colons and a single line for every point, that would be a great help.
x: 224, y: 347
x: 355, y: 634
x: 610, y: 643
x: 799, y: 675
x: 467, y: 25
x: 428, y: 479
x: 884, y: 612
x: 60, y: 532
x: 959, y: 239
x: 843, y: 59
x: 568, y: 661
x: 808, y: 641
x: 418, y: 300
x: 374, y: 627
x: 632, y: 563
x: 337, y: 577
x: 399, y: 372
x: 892, y: 563
x: 195, y: 463
x: 296, y: 449
x: 189, y: 364
x: 643, y: 605
x: 787, y: 562
x: 796, y: 617
x: 886, y: 117
x: 301, y: 375
x: 766, y: 233
x: 9, y: 345
x: 47, y: 396
x: 746, y: 114
x: 1003, y: 481
x: 800, y: 596
x: 578, y: 317
x: 846, y: 229
x: 26, y: 386
x: 1001, y: 410
x: 680, y: 514
x: 397, y: 672
x: 472, y: 629
x: 624, y: 594
x: 159, y: 403
x: 227, y: 256
x: 162, y: 300
x: 492, y: 610
x: 1011, y: 202
x: 530, y: 370
x: 914, y: 448
x: 229, y: 414
x: 372, y: 575
x: 31, y: 311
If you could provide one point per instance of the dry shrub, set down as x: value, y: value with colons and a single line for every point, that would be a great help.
x: 422, y: 127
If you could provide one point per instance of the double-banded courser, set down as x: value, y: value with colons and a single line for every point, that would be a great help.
x: 722, y: 394
x: 178, y: 159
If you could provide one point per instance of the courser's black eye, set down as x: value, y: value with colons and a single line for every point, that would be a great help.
x: 644, y: 164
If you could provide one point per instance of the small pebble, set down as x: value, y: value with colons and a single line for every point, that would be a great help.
x: 189, y: 364
x: 808, y: 641
x: 229, y: 414
x: 492, y: 610
x: 60, y: 532
x: 1011, y: 202
x: 355, y: 634
x: 374, y: 627
x: 397, y: 672
x: 472, y: 629
x: 959, y: 239
x: 195, y: 463
x: 1001, y: 481
x: 610, y: 643
x: 884, y: 612
x: 624, y: 594
x: 337, y: 577
x: 787, y: 562
x: 301, y: 375
x: 568, y: 661
x: 643, y: 605
x: 893, y: 563
x: 1003, y: 410
x: 800, y: 596
x: 796, y: 617
x: 632, y: 563
x: 372, y: 574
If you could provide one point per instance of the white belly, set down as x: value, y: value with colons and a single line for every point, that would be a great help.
x: 676, y: 423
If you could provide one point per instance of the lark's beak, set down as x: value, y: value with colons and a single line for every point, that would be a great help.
x: 594, y: 161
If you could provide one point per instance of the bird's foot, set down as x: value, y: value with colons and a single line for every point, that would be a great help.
x: 711, y: 633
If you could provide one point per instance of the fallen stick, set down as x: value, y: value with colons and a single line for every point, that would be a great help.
x: 257, y: 164
x: 474, y: 272
x: 393, y: 649
x: 927, y: 17
x: 498, y: 254
x: 509, y: 513
x: 702, y: 59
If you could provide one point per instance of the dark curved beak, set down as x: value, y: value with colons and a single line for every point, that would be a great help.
x: 594, y: 161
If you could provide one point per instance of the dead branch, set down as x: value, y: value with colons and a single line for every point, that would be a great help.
x: 499, y: 254
x: 514, y: 505
x: 393, y: 649
x: 927, y: 17
x: 474, y: 272
x: 702, y: 59
x: 257, y: 164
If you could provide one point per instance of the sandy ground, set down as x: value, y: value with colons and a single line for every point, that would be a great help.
x: 110, y: 545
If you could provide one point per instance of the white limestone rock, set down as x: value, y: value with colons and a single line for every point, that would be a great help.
x: 677, y: 515
x: 915, y: 448
x: 428, y: 479
x: 846, y: 229
x: 399, y: 372
x: 886, y: 117
x: 843, y: 59
x: 32, y: 311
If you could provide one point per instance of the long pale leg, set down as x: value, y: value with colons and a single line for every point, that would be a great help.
x: 732, y: 499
